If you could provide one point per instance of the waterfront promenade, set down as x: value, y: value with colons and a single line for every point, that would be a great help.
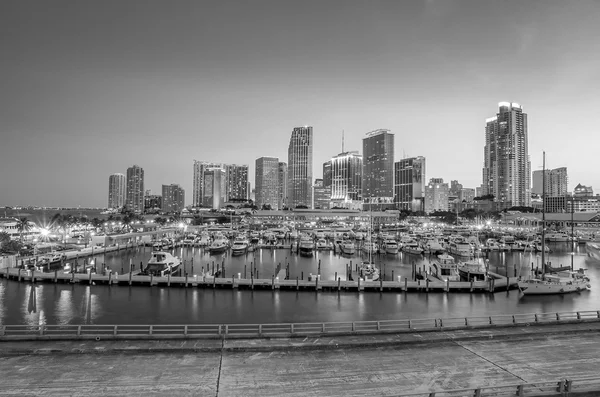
x: 535, y: 357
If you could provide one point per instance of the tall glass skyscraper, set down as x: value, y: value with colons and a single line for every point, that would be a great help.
x: 173, y: 198
x: 409, y: 184
x: 236, y: 181
x: 346, y: 180
x: 282, y: 185
x: 507, y: 169
x: 300, y: 159
x: 116, y: 191
x: 267, y: 182
x: 378, y: 168
x: 135, y: 189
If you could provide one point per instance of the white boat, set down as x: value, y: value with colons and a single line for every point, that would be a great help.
x: 218, y: 246
x: 445, y: 268
x: 472, y: 270
x: 593, y: 250
x: 368, y: 271
x: 432, y: 246
x: 412, y: 247
x: 391, y: 247
x: 557, y: 237
x: 460, y: 247
x: 306, y: 247
x: 322, y: 244
x: 240, y: 246
x: 161, y: 264
x: 492, y: 245
x: 370, y: 247
x: 347, y: 247
x: 563, y: 282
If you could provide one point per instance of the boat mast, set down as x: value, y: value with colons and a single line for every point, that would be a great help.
x: 544, y: 214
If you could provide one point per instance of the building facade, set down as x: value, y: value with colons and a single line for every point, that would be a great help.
x: 135, y: 189
x: 236, y: 181
x: 378, y: 169
x: 436, y: 195
x: 507, y: 168
x: 215, y: 188
x: 346, y: 180
x: 583, y: 191
x: 173, y: 198
x: 409, y: 184
x: 283, y: 182
x: 152, y: 203
x: 266, y: 182
x: 321, y: 195
x: 556, y: 182
x: 117, y: 189
x: 300, y: 159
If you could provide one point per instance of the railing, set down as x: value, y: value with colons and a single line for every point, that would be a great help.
x: 288, y: 329
x: 561, y: 387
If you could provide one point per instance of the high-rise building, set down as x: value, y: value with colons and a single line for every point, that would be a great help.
x: 455, y: 188
x: 409, y: 185
x: 556, y: 182
x: 173, y: 198
x: 300, y: 159
x: 215, y: 189
x: 436, y: 195
x: 266, y: 182
x: 327, y: 174
x: 378, y: 168
x: 200, y: 167
x: 320, y: 195
x: 507, y: 169
x: 236, y: 182
x: 346, y: 180
x: 466, y: 195
x: 152, y: 203
x: 135, y: 189
x: 116, y: 191
x: 283, y: 185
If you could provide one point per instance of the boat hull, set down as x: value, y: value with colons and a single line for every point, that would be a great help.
x: 537, y: 288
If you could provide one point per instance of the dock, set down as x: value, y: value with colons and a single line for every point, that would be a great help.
x: 278, y: 282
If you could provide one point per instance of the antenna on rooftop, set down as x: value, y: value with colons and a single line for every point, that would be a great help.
x: 342, y: 141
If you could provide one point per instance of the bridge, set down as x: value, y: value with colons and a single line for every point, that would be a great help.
x: 545, y: 354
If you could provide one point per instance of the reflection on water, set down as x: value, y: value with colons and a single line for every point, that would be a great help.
x: 34, y: 304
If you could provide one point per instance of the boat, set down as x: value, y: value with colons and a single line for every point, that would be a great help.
x: 161, y: 264
x: 561, y: 282
x: 460, y: 247
x: 412, y: 247
x: 370, y: 247
x: 472, y: 270
x: 492, y: 245
x: 218, y: 246
x: 347, y: 247
x: 240, y: 246
x: 557, y: 237
x: 368, y: 271
x: 188, y: 240
x: 593, y: 250
x: 433, y: 246
x: 391, y: 247
x: 445, y: 268
x: 306, y: 247
x: 322, y: 244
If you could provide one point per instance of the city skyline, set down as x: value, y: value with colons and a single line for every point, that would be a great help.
x: 228, y: 82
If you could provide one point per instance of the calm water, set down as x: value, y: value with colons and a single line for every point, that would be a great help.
x: 24, y: 303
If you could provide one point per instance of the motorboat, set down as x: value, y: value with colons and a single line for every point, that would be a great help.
x: 412, y: 247
x: 472, y: 270
x: 306, y: 247
x: 368, y: 271
x: 391, y: 247
x: 491, y: 244
x: 204, y: 240
x: 218, y: 246
x: 161, y: 264
x: 593, y: 250
x: 189, y: 240
x: 370, y: 247
x: 322, y: 244
x: 562, y: 282
x: 347, y: 247
x: 240, y: 246
x: 433, y: 246
x: 557, y: 237
x: 460, y: 247
x: 445, y: 268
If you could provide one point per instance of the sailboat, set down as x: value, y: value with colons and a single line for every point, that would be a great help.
x: 367, y: 270
x: 560, y: 282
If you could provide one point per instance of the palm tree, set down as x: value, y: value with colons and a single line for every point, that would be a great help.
x: 23, y: 226
x: 4, y: 239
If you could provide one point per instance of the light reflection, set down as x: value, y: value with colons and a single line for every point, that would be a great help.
x: 64, y: 307
x: 33, y: 314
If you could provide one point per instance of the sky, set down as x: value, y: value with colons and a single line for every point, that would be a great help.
x: 89, y: 88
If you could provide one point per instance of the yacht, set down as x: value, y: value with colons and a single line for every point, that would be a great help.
x: 218, y: 246
x: 460, y: 247
x: 189, y: 240
x: 370, y: 247
x: 593, y: 250
x: 306, y: 247
x: 557, y: 237
x: 391, y: 247
x: 472, y: 270
x: 412, y: 247
x: 322, y: 244
x: 433, y: 246
x: 240, y: 246
x: 347, y: 247
x: 562, y: 282
x: 491, y: 244
x: 445, y: 269
x: 368, y: 271
x: 161, y: 264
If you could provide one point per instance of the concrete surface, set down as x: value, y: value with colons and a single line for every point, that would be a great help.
x: 382, y: 365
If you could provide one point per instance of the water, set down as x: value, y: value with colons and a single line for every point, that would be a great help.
x: 34, y: 304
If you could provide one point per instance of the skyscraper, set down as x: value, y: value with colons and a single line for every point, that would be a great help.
x: 300, y: 159
x: 214, y: 188
x: 436, y: 195
x: 200, y: 167
x: 378, y: 168
x: 556, y: 182
x: 173, y: 198
x: 409, y: 185
x: 321, y: 195
x: 116, y: 191
x: 282, y: 175
x: 507, y: 169
x: 135, y: 189
x: 236, y: 181
x: 346, y: 180
x: 267, y: 182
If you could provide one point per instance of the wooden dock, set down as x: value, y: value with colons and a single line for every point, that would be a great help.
x: 274, y: 283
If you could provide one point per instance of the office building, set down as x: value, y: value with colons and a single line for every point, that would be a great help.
x: 266, y: 182
x: 466, y: 195
x: 409, y: 184
x: 346, y: 180
x: 173, y: 198
x: 378, y: 169
x: 116, y: 191
x: 215, y: 189
x: 236, y: 181
x: 327, y: 174
x: 300, y: 159
x: 320, y: 195
x: 135, y: 189
x: 436, y: 195
x: 556, y: 182
x: 283, y: 184
x: 507, y: 169
x: 152, y: 203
